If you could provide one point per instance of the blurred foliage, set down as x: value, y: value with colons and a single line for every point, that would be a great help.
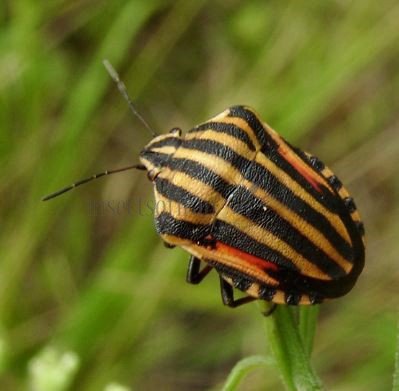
x: 86, y: 272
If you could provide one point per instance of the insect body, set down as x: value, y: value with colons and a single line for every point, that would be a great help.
x: 273, y: 221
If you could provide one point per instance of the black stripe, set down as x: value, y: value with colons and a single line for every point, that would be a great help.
x: 218, y: 149
x: 165, y: 223
x: 254, y: 123
x: 228, y: 234
x: 198, y: 171
x: 230, y: 129
x: 270, y: 147
x: 322, y: 288
x: 155, y: 158
x: 325, y: 198
x: 182, y: 196
x: 263, y: 178
x: 246, y: 204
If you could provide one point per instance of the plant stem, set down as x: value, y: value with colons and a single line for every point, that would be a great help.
x: 291, y: 350
x: 307, y: 326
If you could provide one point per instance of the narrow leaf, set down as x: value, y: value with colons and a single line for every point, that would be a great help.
x: 242, y: 369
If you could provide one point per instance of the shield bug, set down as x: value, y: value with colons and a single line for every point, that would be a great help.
x: 272, y: 220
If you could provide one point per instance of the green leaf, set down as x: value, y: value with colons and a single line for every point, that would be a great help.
x: 243, y: 368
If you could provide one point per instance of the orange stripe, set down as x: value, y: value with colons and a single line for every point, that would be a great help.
x: 289, y: 155
x: 261, y: 263
x: 298, y: 165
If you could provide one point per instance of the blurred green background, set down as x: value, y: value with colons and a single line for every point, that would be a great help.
x: 86, y: 286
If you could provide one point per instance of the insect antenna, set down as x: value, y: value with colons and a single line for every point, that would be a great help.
x: 123, y: 90
x: 83, y: 181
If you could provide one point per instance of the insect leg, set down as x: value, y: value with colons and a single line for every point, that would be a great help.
x: 194, y: 274
x: 167, y: 245
x: 228, y: 295
x: 269, y: 311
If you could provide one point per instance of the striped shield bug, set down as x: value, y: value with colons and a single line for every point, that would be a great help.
x: 271, y: 220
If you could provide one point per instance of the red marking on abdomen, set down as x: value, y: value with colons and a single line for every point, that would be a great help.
x: 302, y: 170
x: 259, y: 262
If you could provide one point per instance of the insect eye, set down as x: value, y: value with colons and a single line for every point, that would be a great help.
x: 176, y: 132
x: 152, y: 175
